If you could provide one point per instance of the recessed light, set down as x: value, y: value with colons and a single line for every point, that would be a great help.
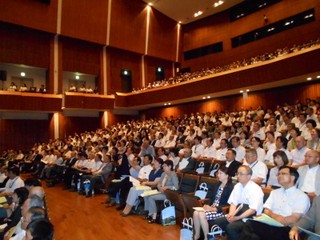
x: 77, y: 77
x: 318, y: 76
x: 150, y: 4
x: 197, y: 14
x: 22, y: 74
x: 203, y: 97
x: 309, y: 78
x: 165, y: 104
x: 169, y: 103
x: 248, y: 90
x: 208, y: 97
x: 241, y: 91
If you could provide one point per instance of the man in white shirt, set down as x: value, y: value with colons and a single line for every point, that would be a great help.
x: 209, y: 152
x: 241, y: 151
x: 259, y: 169
x: 258, y: 132
x: 299, y: 152
x: 221, y: 153
x: 160, y: 142
x: 197, y: 148
x: 310, y: 174
x: 285, y: 205
x: 14, y: 182
x: 246, y: 200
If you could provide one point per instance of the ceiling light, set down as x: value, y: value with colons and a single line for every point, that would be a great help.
x: 241, y: 91
x: 180, y: 22
x: 77, y: 77
x: 165, y: 104
x: 169, y: 103
x: 203, y: 97
x: 309, y: 78
x: 248, y: 90
x: 318, y: 76
x: 22, y: 74
x: 197, y: 14
x: 208, y: 97
x: 150, y: 4
x: 217, y: 4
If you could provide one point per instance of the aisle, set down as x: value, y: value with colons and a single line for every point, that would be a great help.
x: 76, y: 217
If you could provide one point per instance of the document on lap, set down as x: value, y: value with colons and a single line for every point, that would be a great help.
x: 267, y: 220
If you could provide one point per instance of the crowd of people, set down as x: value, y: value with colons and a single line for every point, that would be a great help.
x: 23, y: 213
x: 83, y: 89
x: 237, y: 64
x: 276, y: 149
x: 24, y: 88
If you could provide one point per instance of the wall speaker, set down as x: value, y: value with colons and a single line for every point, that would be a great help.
x: 3, y: 75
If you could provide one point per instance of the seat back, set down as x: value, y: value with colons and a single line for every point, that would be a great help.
x: 210, y: 184
x: 176, y: 200
x: 202, y: 166
x: 189, y: 183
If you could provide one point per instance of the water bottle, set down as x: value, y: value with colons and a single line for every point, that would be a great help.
x: 78, y: 185
x: 86, y: 186
x: 73, y: 184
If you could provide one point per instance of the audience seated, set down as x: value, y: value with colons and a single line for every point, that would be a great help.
x: 286, y: 205
x: 280, y: 159
x: 222, y: 191
x: 197, y: 137
x: 182, y: 77
x: 168, y: 180
x: 246, y: 200
x: 310, y: 174
x: 310, y: 221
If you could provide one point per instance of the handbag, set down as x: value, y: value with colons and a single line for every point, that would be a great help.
x: 202, y: 192
x: 186, y: 232
x: 214, y: 231
x: 200, y: 168
x: 168, y: 214
x: 215, y: 168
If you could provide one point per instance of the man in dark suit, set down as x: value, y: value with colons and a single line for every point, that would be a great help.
x: 186, y: 163
x: 231, y: 163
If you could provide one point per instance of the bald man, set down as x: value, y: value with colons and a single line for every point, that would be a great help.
x: 310, y: 174
x: 37, y: 191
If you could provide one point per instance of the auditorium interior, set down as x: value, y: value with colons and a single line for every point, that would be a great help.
x: 70, y: 66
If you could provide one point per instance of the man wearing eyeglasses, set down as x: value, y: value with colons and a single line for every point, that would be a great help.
x: 246, y: 200
x: 259, y: 169
x: 285, y: 205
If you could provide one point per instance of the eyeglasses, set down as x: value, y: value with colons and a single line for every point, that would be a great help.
x: 241, y: 174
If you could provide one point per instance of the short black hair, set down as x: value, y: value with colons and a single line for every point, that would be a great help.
x: 293, y: 172
x: 22, y: 194
x: 15, y: 170
x: 41, y: 229
x: 32, y: 182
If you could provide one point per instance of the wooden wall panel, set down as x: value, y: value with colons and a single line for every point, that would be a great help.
x: 22, y: 134
x: 30, y: 101
x: 115, y: 118
x: 162, y: 36
x: 71, y: 125
x: 128, y: 25
x: 269, y: 98
x: 21, y: 45
x: 80, y: 56
x: 150, y: 66
x: 117, y: 60
x: 30, y: 13
x: 218, y: 28
x: 86, y: 20
x: 88, y: 101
